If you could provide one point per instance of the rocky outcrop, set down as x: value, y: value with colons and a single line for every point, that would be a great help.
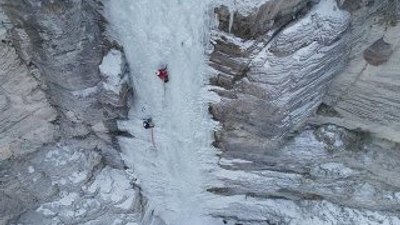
x: 347, y: 170
x: 63, y: 86
x: 378, y: 53
x: 364, y: 94
x: 72, y: 78
x: 252, y: 20
x: 26, y: 126
x: 301, y: 133
x: 67, y: 183
x: 309, y: 114
x: 26, y: 115
x: 280, y: 77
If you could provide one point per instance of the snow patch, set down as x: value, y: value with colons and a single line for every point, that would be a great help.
x: 31, y: 169
x: 85, y: 92
x: 67, y: 198
x: 241, y: 43
x: 113, y: 185
x: 112, y: 69
x: 46, y: 212
x: 77, y: 177
x: 231, y: 162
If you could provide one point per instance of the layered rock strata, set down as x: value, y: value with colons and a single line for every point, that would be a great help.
x: 281, y: 75
x: 59, y: 156
x: 308, y: 112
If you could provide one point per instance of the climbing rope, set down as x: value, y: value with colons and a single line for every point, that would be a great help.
x: 152, y: 138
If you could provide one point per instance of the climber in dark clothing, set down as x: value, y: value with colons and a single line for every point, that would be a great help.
x: 148, y: 123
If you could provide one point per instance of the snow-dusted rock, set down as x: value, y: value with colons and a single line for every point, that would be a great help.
x: 365, y: 94
x: 58, y: 115
x: 67, y: 182
x: 112, y: 68
x: 273, y: 84
x: 359, y: 177
x: 285, y: 79
x: 63, y: 87
x: 109, y: 198
x: 252, y: 19
x: 25, y: 113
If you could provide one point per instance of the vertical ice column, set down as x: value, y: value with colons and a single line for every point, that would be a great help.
x: 174, y: 172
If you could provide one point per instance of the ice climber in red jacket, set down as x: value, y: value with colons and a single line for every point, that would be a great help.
x: 163, y: 74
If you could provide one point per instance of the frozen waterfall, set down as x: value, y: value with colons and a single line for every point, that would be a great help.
x: 173, y: 174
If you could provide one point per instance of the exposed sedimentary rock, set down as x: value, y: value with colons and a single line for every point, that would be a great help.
x: 75, y: 186
x: 26, y: 115
x: 58, y: 112
x: 281, y: 78
x: 366, y: 95
x: 274, y: 84
x: 40, y: 30
x: 309, y: 114
x: 250, y: 20
x: 378, y: 53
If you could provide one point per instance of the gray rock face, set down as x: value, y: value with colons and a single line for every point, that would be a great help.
x: 59, y: 159
x: 281, y: 77
x: 75, y: 184
x: 256, y: 22
x: 41, y: 29
x: 309, y: 114
x: 336, y: 171
x: 325, y: 173
x: 49, y: 43
x: 378, y: 53
x: 26, y: 115
x: 365, y: 95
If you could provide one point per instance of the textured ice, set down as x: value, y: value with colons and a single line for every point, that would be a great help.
x: 172, y: 171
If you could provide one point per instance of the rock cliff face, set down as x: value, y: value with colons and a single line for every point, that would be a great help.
x: 281, y: 76
x: 59, y: 160
x: 364, y: 94
x: 309, y: 113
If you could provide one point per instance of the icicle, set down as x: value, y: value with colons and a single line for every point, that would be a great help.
x: 231, y: 14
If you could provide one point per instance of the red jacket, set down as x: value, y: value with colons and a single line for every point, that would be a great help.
x: 162, y: 74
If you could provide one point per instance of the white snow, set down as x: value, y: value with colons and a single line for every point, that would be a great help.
x: 59, y: 182
x: 85, y: 92
x: 46, y: 212
x: 111, y: 68
x: 301, y: 213
x: 116, y: 190
x: 174, y: 173
x: 77, y: 177
x: 230, y: 162
x: 326, y: 8
x: 67, y: 198
x: 242, y: 44
x: 31, y: 169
